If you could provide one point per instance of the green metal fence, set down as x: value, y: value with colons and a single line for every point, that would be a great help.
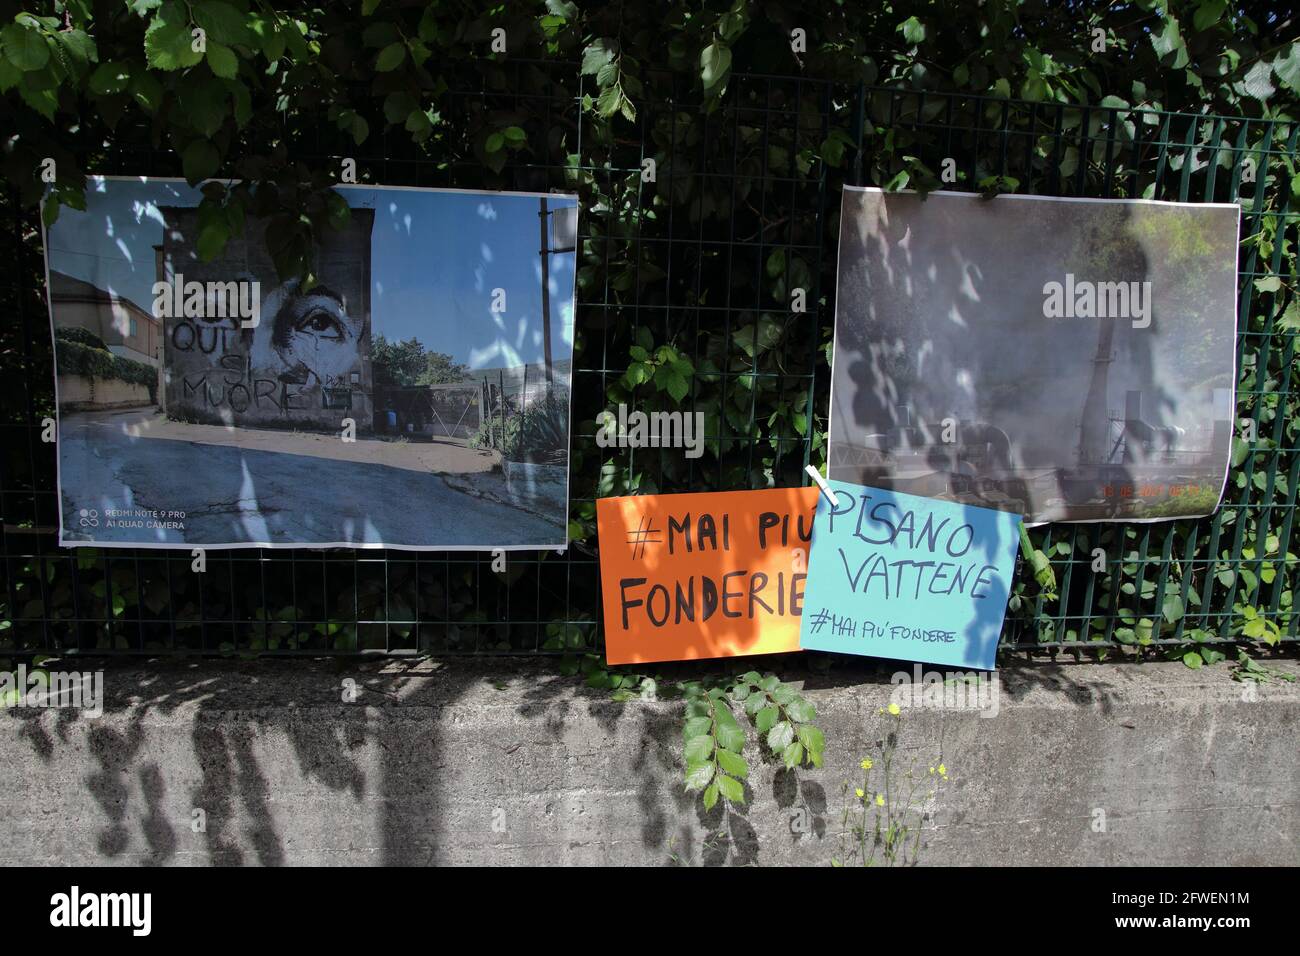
x: 699, y: 249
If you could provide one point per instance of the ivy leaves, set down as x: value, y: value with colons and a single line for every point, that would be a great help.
x: 615, y: 79
x: 715, y: 67
x: 713, y: 738
x: 666, y: 368
x: 24, y: 46
x: 168, y: 43
x: 38, y: 57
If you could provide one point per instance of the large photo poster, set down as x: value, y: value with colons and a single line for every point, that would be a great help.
x: 1063, y: 359
x: 415, y: 395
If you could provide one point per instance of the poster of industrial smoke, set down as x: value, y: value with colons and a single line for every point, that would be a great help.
x: 414, y: 395
x: 1064, y: 359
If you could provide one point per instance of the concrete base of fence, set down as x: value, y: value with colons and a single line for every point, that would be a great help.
x: 502, y: 762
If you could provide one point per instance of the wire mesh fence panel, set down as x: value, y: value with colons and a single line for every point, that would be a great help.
x: 705, y: 285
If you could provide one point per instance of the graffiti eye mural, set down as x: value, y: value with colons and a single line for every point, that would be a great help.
x: 322, y: 324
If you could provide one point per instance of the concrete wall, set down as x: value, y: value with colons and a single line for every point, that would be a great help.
x: 502, y: 762
x: 79, y: 393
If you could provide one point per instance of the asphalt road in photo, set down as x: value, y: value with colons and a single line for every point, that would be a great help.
x: 231, y: 493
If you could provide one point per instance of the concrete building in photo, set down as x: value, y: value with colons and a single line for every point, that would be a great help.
x: 127, y: 329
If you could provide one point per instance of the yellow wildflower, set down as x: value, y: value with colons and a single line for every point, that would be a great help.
x: 866, y: 763
x: 893, y: 710
x: 859, y: 793
x: 880, y: 800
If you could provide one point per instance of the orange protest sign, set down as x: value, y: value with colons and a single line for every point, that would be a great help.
x: 704, y: 575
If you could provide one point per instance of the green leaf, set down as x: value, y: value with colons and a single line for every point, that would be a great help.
x: 1286, y: 66
x: 79, y: 47
x: 699, y: 777
x: 1168, y: 42
x: 268, y: 36
x: 361, y: 129
x: 637, y: 373
x: 731, y: 736
x: 110, y: 78
x: 222, y: 60
x: 699, y: 748
x: 676, y: 385
x: 913, y: 30
x: 418, y: 123
x: 733, y: 763
x: 1192, y: 659
x: 780, y: 736
x: 766, y: 718
x: 146, y: 91
x: 43, y: 101
x: 1258, y: 82
x: 715, y: 64
x: 203, y: 104
x: 1208, y: 14
x: 597, y: 54
x: 732, y: 789
x: 793, y: 755
x: 697, y: 725
x: 813, y: 740
x: 221, y: 22
x: 776, y: 261
x: 212, y: 238
x: 801, y: 710
x: 1240, y: 450
x: 608, y: 102
x: 398, y: 106
x: 1173, y: 608
x: 200, y: 161
x: 390, y: 57
x: 168, y: 44
x: 710, y: 796
x: 10, y: 75
x: 24, y: 48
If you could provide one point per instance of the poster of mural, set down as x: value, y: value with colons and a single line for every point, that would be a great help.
x: 1063, y: 359
x: 415, y: 396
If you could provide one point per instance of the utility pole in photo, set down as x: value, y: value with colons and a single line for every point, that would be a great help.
x: 546, y: 291
x: 559, y: 233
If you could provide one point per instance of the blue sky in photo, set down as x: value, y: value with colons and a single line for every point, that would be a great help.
x: 436, y: 256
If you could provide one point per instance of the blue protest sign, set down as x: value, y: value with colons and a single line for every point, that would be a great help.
x: 896, y: 575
